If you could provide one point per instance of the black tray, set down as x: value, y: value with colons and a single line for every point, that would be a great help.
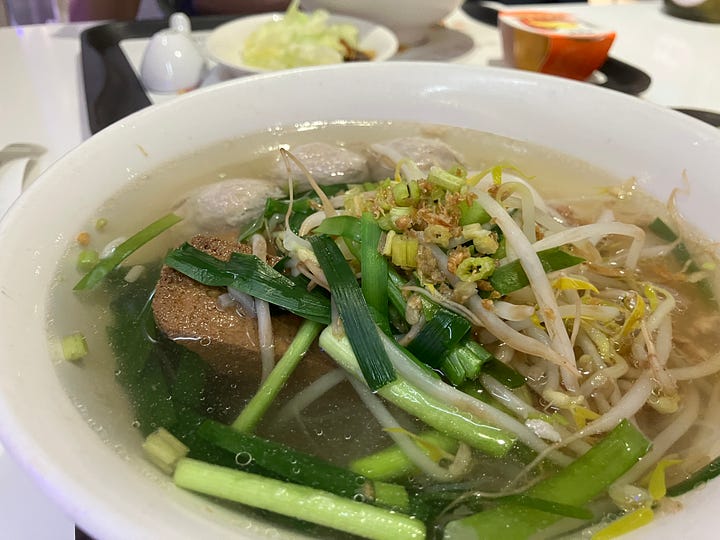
x: 619, y: 75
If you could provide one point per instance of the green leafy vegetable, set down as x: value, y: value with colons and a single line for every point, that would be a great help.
x: 440, y: 334
x: 576, y: 485
x: 299, y: 39
x: 357, y: 319
x: 374, y: 269
x: 297, y: 467
x: 249, y: 274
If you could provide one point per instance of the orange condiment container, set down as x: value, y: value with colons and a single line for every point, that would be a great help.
x: 553, y: 42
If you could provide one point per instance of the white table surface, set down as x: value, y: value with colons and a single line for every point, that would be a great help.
x: 42, y: 101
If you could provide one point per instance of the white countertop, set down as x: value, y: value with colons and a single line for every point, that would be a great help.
x: 42, y: 102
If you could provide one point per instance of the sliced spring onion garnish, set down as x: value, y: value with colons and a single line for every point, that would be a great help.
x: 87, y: 259
x: 440, y: 334
x: 346, y: 226
x: 662, y: 230
x: 503, y: 373
x: 511, y: 277
x: 282, y: 460
x: 374, y: 269
x: 250, y: 275
x: 356, y: 316
x: 164, y: 450
x: 124, y: 250
x: 74, y: 346
x: 253, y: 412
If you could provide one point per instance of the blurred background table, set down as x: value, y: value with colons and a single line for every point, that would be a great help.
x: 42, y: 101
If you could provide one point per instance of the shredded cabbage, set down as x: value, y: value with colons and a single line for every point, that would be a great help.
x: 299, y: 39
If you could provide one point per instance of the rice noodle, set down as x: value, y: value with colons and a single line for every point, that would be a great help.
x: 311, y: 393
x: 244, y: 300
x: 264, y: 320
x: 395, y: 431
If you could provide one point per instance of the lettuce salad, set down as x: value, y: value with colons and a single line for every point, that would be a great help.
x: 299, y: 39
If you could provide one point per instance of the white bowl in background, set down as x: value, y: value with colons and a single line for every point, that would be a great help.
x: 409, y: 19
x: 225, y: 43
x: 120, y: 495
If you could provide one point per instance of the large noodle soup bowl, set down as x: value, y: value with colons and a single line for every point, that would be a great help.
x: 71, y: 432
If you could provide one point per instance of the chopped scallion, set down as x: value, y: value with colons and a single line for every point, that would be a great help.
x: 374, y: 272
x: 86, y: 260
x: 475, y: 268
x: 164, y: 450
x: 404, y: 251
x: 356, y: 316
x: 392, y: 462
x: 445, y: 179
x: 511, y: 276
x: 74, y: 346
x: 297, y: 501
x: 440, y: 334
x: 472, y: 213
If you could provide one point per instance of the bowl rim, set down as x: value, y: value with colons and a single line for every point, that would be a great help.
x: 382, y: 34
x: 38, y: 460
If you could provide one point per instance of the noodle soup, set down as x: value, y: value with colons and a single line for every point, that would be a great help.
x: 541, y: 323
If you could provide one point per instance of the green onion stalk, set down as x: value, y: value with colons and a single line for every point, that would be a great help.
x: 300, y: 502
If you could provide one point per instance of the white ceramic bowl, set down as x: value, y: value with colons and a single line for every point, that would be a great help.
x: 224, y: 45
x: 409, y: 19
x: 121, y: 496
